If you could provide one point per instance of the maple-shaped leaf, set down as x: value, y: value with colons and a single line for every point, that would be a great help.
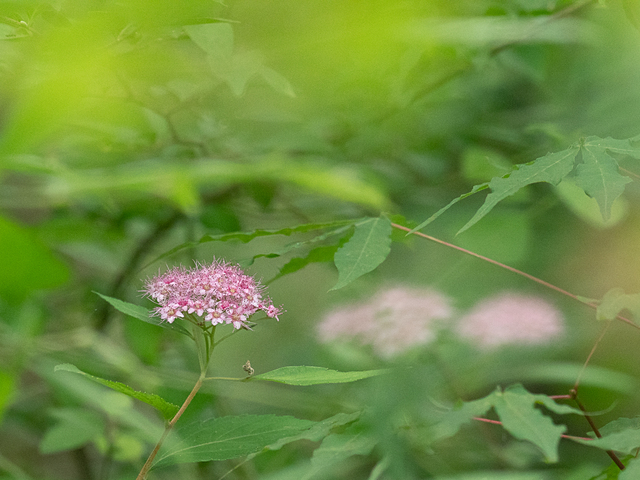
x: 599, y: 175
x: 551, y: 168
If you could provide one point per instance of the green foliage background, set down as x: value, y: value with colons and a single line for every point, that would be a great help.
x: 135, y: 135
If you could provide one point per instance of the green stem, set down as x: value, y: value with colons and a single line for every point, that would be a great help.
x: 147, y: 466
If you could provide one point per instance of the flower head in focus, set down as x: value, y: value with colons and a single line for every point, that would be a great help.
x: 211, y: 293
x: 511, y: 319
x: 392, y: 321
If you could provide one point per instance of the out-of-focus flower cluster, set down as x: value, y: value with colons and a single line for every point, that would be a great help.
x: 216, y: 293
x: 397, y: 319
x: 393, y: 321
x: 511, y: 319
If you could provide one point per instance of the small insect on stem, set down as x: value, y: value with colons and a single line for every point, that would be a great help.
x: 247, y: 368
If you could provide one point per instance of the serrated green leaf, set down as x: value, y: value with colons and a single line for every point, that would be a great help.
x: 224, y: 438
x: 318, y: 254
x: 598, y: 176
x: 305, y: 243
x: 515, y: 407
x: 365, y: 250
x: 615, y: 301
x: 168, y: 410
x: 141, y: 313
x: 246, y: 237
x: 74, y: 428
x: 475, y: 189
x: 551, y: 168
x: 303, y: 375
x: 621, y: 435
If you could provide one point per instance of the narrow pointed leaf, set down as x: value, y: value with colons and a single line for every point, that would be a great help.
x: 168, y: 410
x: 246, y: 237
x: 224, y: 438
x: 141, y: 313
x: 551, y: 168
x: 318, y: 254
x: 365, y: 250
x: 303, y: 376
x: 475, y: 189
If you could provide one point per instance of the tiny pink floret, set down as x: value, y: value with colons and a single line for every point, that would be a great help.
x: 215, y: 293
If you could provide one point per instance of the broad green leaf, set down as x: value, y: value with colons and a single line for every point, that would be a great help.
x: 615, y: 301
x: 551, y: 168
x: 229, y: 437
x: 515, y: 407
x: 475, y: 189
x: 168, y: 410
x: 304, y: 376
x: 621, y: 147
x: 621, y: 435
x: 141, y: 313
x: 365, y: 250
x: 338, y: 447
x: 74, y: 428
x: 587, y: 208
x: 246, y: 237
x: 598, y: 175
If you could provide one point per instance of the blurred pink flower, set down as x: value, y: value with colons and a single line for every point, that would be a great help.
x: 216, y: 293
x: 392, y: 321
x: 511, y: 319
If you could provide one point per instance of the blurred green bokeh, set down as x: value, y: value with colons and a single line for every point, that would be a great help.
x: 129, y: 128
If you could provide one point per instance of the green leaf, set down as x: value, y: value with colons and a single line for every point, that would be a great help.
x: 338, y: 447
x: 74, y: 428
x: 168, y: 410
x: 365, y: 250
x: 598, y: 176
x: 141, y: 313
x: 475, y: 189
x: 621, y: 435
x: 214, y: 38
x: 246, y: 237
x: 318, y: 254
x: 515, y: 407
x: 551, y: 168
x: 631, y: 471
x: 615, y: 301
x: 229, y: 437
x: 304, y: 376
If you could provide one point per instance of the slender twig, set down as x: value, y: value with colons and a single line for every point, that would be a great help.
x: 611, y: 453
x: 593, y: 349
x: 147, y: 466
x: 511, y: 269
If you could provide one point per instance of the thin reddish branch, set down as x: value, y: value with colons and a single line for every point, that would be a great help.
x: 511, y: 269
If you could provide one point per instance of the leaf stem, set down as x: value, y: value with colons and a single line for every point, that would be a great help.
x: 511, y: 269
x: 147, y: 466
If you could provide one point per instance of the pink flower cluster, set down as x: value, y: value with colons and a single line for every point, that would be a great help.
x: 393, y: 321
x: 217, y: 293
x: 511, y: 319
